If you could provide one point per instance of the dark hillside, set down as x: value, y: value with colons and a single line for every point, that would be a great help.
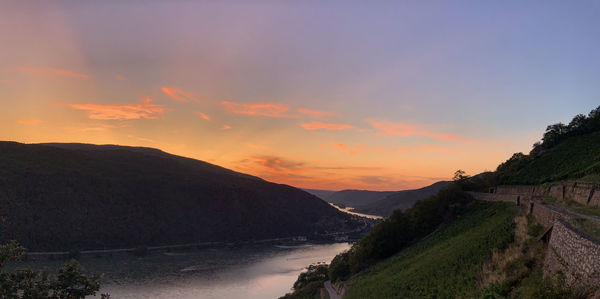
x: 62, y: 197
x: 401, y: 200
x: 356, y: 198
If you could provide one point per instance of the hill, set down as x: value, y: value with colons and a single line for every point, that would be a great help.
x: 566, y: 152
x: 322, y: 194
x: 400, y: 200
x: 356, y: 198
x: 445, y: 264
x: 380, y: 203
x: 574, y: 158
x: 74, y: 196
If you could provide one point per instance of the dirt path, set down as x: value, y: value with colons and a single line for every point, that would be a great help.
x: 333, y: 294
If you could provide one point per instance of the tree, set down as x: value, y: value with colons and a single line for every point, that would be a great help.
x: 69, y: 282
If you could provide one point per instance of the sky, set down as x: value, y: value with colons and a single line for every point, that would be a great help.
x: 379, y: 95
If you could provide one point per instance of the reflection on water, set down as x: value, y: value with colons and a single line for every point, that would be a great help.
x: 264, y: 271
x: 349, y: 211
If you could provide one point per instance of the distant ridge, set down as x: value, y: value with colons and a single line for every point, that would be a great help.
x: 380, y: 203
x: 400, y: 200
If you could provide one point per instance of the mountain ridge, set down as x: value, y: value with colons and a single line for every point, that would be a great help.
x: 81, y: 196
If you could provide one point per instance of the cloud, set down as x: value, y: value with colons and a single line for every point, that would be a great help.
x: 143, y: 110
x: 357, y: 149
x: 226, y: 127
x: 275, y: 164
x: 141, y: 138
x: 256, y: 146
x: 325, y: 126
x: 314, y: 113
x: 178, y: 94
x: 53, y: 72
x: 387, y: 128
x: 204, y: 116
x: 120, y: 77
x: 425, y: 148
x: 31, y: 121
x: 257, y: 109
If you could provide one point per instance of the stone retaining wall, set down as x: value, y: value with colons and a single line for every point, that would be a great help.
x: 582, y: 193
x: 569, y: 250
x: 573, y: 253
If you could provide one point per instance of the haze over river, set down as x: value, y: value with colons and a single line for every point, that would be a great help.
x: 257, y: 271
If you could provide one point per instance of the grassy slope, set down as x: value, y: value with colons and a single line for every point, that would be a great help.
x: 574, y: 158
x: 446, y: 263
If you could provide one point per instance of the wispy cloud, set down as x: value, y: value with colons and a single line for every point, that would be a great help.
x: 356, y: 149
x: 31, y: 121
x: 325, y: 126
x: 225, y: 127
x: 425, y: 148
x: 143, y: 110
x: 53, y: 72
x: 275, y: 164
x: 314, y: 113
x: 178, y: 94
x: 256, y: 146
x: 387, y: 128
x: 257, y: 109
x: 120, y: 77
x: 204, y: 116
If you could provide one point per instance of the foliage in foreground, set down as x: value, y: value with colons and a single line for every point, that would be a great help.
x: 309, y: 283
x: 399, y: 231
x: 69, y: 282
x: 445, y: 264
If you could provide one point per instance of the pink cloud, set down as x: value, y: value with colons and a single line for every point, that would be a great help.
x: 178, y: 94
x: 29, y: 121
x: 325, y: 126
x: 257, y: 109
x: 425, y: 148
x: 314, y: 113
x: 256, y: 146
x: 143, y: 110
x: 357, y: 149
x: 387, y: 128
x: 53, y: 72
x: 226, y: 127
x: 204, y: 116
x: 275, y: 164
x: 120, y: 77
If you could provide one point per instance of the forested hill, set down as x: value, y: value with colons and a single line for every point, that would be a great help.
x: 566, y: 152
x: 74, y: 196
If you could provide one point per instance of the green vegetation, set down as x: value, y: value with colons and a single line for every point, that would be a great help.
x: 590, y: 227
x: 68, y: 283
x: 309, y: 283
x: 566, y: 152
x: 517, y: 271
x: 445, y: 264
x: 573, y: 158
x: 400, y: 230
x: 491, y: 251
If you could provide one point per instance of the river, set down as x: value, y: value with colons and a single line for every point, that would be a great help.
x: 253, y: 271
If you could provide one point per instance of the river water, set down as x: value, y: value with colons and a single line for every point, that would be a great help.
x: 253, y: 271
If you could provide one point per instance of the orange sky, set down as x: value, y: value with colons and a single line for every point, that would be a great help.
x: 285, y: 93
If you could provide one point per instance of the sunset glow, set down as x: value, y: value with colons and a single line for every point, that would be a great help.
x: 324, y: 95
